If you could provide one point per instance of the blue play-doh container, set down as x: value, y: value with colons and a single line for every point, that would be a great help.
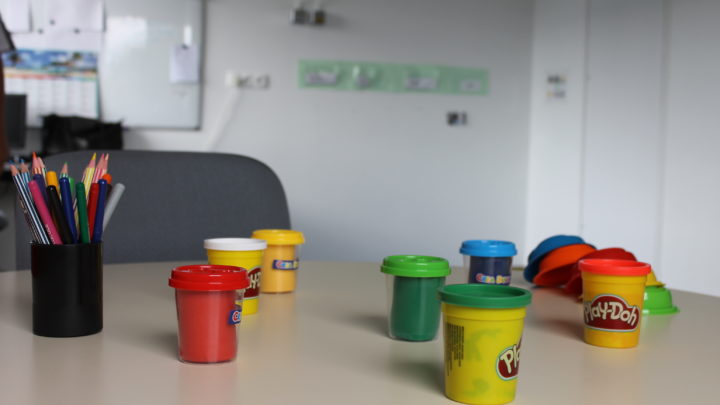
x: 488, y: 261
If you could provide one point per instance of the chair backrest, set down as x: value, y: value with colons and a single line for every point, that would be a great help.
x: 174, y: 200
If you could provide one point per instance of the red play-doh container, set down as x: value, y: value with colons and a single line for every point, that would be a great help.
x: 207, y: 313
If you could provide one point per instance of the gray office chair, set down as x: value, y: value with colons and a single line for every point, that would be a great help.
x: 174, y: 200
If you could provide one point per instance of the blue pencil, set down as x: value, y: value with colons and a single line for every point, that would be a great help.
x: 100, y: 212
x: 41, y: 183
x: 67, y: 204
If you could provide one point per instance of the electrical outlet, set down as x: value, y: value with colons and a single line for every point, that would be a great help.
x: 247, y: 81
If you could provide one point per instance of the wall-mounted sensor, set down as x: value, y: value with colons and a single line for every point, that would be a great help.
x: 313, y: 15
x: 457, y: 118
x: 318, y: 17
x: 299, y: 15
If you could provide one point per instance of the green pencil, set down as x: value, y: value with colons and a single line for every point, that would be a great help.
x: 72, y: 186
x: 82, y: 213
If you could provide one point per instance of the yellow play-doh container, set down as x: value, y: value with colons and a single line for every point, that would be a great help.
x: 482, y: 332
x: 281, y: 260
x: 613, y: 295
x: 240, y: 252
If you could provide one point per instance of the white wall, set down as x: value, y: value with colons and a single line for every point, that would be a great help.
x: 374, y: 174
x: 692, y: 190
x: 556, y: 126
x: 622, y: 157
x: 648, y: 132
x: 595, y: 157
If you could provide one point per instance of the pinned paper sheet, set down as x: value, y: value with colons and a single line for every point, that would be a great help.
x: 16, y: 15
x: 185, y: 64
x: 74, y: 15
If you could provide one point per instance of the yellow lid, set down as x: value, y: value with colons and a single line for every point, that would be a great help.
x: 652, y: 281
x: 279, y: 236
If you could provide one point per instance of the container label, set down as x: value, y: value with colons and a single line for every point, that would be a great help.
x: 254, y: 289
x: 234, y: 317
x: 286, y: 264
x: 454, y: 346
x: 611, y: 313
x: 508, y: 362
x: 497, y: 279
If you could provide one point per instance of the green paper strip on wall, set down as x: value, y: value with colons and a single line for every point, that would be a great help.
x: 368, y: 76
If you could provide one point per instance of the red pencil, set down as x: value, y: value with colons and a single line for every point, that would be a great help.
x: 35, y: 169
x: 92, y: 204
x: 43, y: 169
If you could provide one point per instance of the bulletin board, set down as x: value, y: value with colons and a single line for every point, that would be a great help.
x: 134, y: 50
x: 395, y: 78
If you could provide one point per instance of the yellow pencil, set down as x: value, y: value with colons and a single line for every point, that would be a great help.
x: 88, y: 174
x: 52, y: 180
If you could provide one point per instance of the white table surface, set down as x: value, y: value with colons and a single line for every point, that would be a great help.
x: 327, y: 344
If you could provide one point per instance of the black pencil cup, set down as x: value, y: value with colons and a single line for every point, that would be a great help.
x: 67, y: 289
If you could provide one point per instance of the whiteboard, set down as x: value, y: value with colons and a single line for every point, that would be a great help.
x: 134, y: 59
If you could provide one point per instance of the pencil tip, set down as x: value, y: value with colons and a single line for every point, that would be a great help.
x: 14, y: 170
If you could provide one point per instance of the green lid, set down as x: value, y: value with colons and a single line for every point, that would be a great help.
x: 484, y: 296
x: 415, y: 266
x: 658, y: 301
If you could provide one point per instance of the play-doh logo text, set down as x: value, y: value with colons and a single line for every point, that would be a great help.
x: 508, y: 362
x: 611, y: 313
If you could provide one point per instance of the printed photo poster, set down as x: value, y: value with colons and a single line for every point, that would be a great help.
x: 55, y: 82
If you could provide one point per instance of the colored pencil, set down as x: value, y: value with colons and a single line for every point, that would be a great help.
x: 88, y: 174
x: 64, y: 171
x: 92, y: 205
x: 100, y: 211
x: 67, y: 204
x: 107, y: 162
x: 98, y: 169
x: 28, y: 209
x: 56, y: 212
x: 45, y: 216
x: 117, y: 192
x: 43, y: 169
x: 41, y: 184
x: 35, y: 165
x: 72, y: 186
x: 24, y: 192
x: 25, y: 172
x: 83, y: 229
x: 52, y: 180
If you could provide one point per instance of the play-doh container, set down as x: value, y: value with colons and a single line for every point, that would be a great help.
x: 488, y: 261
x: 613, y: 294
x: 240, y: 252
x: 413, y: 305
x: 482, y: 329
x: 207, y: 298
x: 281, y: 259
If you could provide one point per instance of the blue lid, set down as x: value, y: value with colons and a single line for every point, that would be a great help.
x: 488, y: 248
x: 545, y: 247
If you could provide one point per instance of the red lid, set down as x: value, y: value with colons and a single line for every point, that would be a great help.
x: 209, y: 277
x: 574, y: 284
x: 613, y: 267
